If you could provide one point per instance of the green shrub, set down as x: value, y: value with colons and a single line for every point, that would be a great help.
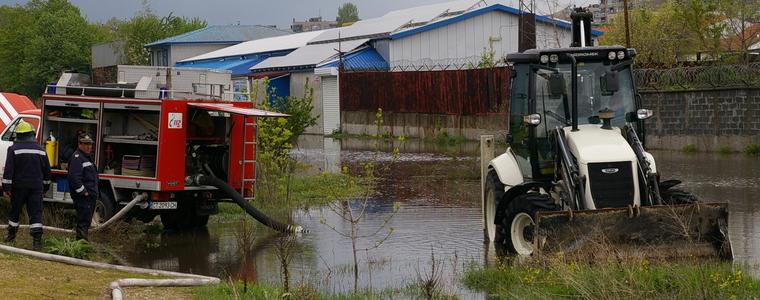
x: 444, y: 138
x: 752, y: 150
x: 690, y: 148
x: 726, y: 150
x: 68, y: 247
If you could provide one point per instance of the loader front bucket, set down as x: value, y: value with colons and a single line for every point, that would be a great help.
x: 664, y: 231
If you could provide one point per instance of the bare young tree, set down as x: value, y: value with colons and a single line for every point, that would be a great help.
x: 353, y: 211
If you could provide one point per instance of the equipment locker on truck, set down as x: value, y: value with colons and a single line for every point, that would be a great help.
x: 180, y: 151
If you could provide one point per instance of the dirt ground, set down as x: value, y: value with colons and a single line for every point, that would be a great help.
x: 26, y: 278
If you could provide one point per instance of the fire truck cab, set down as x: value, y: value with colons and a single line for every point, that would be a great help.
x: 154, y: 142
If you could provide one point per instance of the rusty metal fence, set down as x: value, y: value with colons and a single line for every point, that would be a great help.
x: 698, y: 78
x: 452, y: 92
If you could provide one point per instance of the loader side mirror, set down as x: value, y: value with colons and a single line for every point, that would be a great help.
x: 532, y: 120
x: 556, y: 85
x: 609, y: 83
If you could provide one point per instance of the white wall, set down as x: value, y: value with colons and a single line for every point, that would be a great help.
x: 182, y: 51
x: 465, y: 41
x: 182, y: 79
x: 297, y: 80
x: 108, y: 54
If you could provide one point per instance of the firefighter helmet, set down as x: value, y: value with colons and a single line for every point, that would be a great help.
x: 24, y: 127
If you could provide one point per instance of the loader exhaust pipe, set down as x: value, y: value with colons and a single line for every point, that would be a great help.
x: 252, y: 211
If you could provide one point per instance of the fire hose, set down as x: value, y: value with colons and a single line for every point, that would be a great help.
x: 252, y: 211
x: 183, y: 279
x: 117, y: 285
x: 138, y: 198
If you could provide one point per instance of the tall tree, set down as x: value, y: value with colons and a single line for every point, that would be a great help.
x: 38, y: 41
x: 742, y: 24
x: 671, y: 33
x: 347, y: 13
x: 146, y: 28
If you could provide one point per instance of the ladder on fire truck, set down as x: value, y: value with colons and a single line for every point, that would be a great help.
x: 249, y: 125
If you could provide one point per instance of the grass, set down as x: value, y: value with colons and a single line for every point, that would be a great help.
x: 444, y: 139
x: 726, y: 150
x: 262, y: 291
x: 690, y: 148
x: 640, y: 279
x: 69, y: 247
x: 752, y: 150
x: 26, y: 278
x: 306, y: 191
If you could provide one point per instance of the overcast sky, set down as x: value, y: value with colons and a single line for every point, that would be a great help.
x: 250, y: 12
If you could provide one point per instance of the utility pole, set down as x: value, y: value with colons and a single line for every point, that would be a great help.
x: 527, y: 26
x: 627, y: 30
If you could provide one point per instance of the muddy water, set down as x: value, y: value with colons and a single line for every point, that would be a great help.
x: 437, y: 190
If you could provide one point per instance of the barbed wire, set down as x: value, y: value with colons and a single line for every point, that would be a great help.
x: 427, y: 64
x: 702, y: 77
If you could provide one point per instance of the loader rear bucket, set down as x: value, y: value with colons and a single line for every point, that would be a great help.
x: 665, y: 231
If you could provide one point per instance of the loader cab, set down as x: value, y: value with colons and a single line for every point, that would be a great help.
x: 541, y: 98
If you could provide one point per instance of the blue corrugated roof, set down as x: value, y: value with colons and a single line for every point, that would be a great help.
x: 222, y: 34
x: 364, y: 59
x: 477, y: 12
x: 239, y: 65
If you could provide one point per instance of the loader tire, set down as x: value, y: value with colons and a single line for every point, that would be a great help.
x: 673, y: 196
x: 518, y: 222
x: 494, y: 191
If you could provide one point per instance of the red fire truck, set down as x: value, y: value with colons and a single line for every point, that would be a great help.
x: 153, y: 142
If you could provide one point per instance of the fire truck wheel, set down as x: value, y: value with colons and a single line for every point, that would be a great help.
x: 201, y: 221
x: 104, y: 208
x: 173, y: 221
x: 184, y: 218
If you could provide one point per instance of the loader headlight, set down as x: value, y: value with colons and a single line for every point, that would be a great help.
x: 554, y: 58
x: 533, y: 119
x: 611, y: 55
x: 644, y: 113
x: 544, y: 59
x: 620, y: 55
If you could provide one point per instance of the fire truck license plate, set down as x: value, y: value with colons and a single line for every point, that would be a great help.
x: 164, y: 205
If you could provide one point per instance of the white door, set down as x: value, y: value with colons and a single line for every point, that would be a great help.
x: 330, y: 104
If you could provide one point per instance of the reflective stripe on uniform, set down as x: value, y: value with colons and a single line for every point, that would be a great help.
x: 80, y: 189
x: 46, y: 182
x: 29, y: 151
x: 7, y: 181
x: 36, y: 225
x: 86, y: 164
x: 12, y: 224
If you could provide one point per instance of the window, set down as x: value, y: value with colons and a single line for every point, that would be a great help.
x: 8, y: 134
x: 240, y: 89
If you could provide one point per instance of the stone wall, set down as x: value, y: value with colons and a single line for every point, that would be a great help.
x: 425, y: 126
x: 708, y: 119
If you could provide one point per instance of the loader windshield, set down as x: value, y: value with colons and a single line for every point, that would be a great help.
x: 592, y: 96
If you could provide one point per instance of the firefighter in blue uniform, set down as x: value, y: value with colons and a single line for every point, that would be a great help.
x: 83, y: 184
x: 25, y: 179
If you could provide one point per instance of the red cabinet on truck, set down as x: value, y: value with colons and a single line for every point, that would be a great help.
x: 154, y: 146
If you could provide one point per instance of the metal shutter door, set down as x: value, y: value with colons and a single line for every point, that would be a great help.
x: 330, y: 104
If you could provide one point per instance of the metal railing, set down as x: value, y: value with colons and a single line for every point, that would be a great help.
x: 698, y: 78
x: 150, y: 93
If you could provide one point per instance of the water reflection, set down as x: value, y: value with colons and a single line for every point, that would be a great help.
x: 440, y: 214
x: 723, y: 178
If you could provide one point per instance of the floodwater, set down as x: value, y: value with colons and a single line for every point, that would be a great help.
x: 437, y: 190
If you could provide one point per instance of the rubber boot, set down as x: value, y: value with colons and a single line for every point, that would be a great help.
x: 11, y: 237
x: 82, y: 234
x: 37, y: 241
